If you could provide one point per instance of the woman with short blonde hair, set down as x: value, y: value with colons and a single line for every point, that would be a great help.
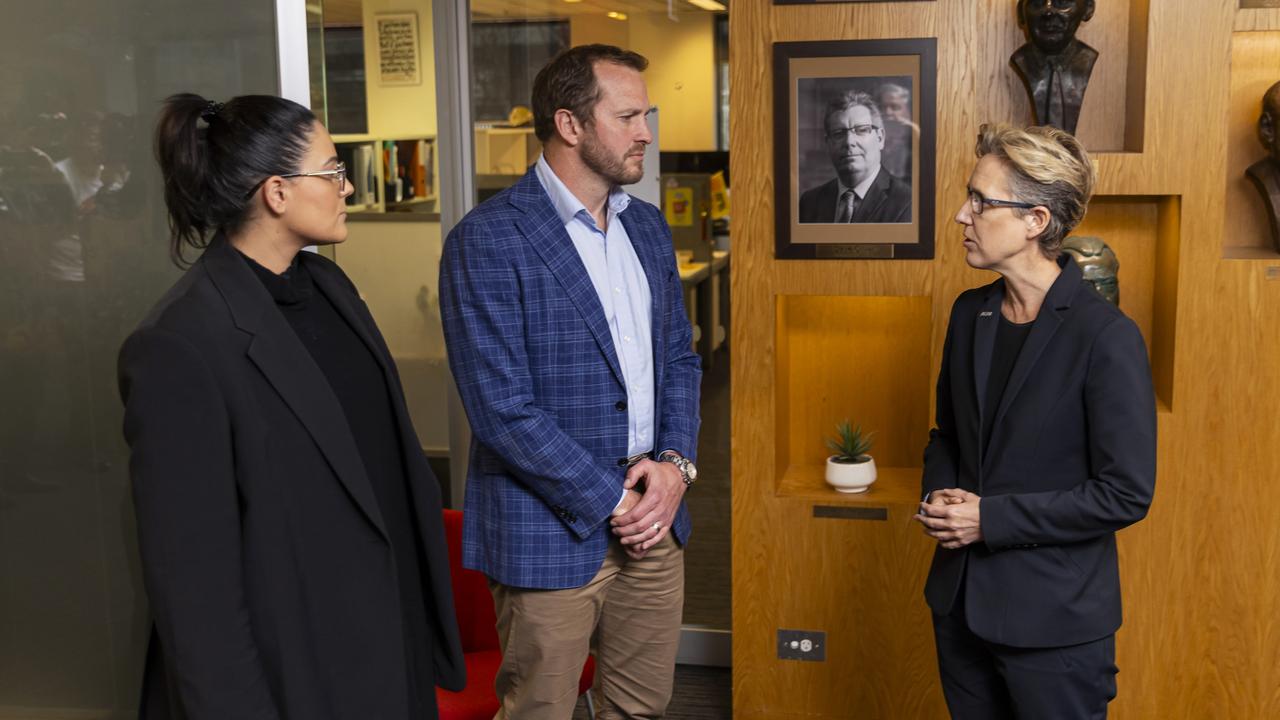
x: 1044, y: 447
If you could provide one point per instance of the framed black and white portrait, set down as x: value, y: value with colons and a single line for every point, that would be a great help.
x: 854, y: 144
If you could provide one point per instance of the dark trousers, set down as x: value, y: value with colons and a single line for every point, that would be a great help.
x: 988, y: 681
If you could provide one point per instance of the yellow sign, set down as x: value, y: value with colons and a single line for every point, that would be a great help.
x: 679, y: 206
x: 719, y: 197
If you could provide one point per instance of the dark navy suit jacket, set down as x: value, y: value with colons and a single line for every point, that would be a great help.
x: 888, y: 200
x: 539, y: 377
x: 1071, y: 460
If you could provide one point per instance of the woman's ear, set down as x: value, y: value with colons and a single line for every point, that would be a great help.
x: 1037, y: 219
x: 275, y: 194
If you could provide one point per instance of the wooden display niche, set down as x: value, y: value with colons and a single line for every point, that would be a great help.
x: 1144, y: 232
x: 1113, y: 116
x: 1255, y: 67
x: 865, y: 358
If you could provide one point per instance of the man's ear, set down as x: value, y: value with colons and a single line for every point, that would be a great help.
x: 1088, y: 11
x: 568, y: 127
x: 1021, y: 12
x: 1266, y: 131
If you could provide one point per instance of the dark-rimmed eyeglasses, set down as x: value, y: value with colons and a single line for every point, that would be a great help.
x: 842, y: 134
x: 978, y: 202
x: 338, y: 174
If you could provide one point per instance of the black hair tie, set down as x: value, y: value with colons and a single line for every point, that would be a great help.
x: 210, y: 111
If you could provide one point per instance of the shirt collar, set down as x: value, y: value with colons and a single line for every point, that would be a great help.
x: 861, y: 189
x: 568, y: 206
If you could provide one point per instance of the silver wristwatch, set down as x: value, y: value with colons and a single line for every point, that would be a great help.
x: 688, y: 471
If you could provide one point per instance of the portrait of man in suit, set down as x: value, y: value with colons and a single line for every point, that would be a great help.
x: 862, y: 191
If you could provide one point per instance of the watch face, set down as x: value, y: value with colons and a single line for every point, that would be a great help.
x: 691, y: 470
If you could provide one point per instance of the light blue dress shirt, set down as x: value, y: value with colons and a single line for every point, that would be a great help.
x: 623, y: 289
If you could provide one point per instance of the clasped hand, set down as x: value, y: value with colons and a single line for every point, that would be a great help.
x: 951, y: 517
x: 642, y: 520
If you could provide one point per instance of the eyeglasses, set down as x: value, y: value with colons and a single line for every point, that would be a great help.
x: 338, y: 173
x: 977, y: 203
x: 843, y: 133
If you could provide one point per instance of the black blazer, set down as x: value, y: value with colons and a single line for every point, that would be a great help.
x: 888, y: 200
x: 268, y: 570
x: 1072, y: 459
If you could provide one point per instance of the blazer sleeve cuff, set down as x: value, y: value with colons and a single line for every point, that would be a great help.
x: 592, y: 513
x: 994, y: 520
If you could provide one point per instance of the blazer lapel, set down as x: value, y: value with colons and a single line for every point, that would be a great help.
x: 343, y: 299
x: 641, y: 233
x: 276, y: 350
x: 544, y: 231
x: 984, y: 339
x: 876, y: 196
x: 1042, y: 331
x: 354, y: 312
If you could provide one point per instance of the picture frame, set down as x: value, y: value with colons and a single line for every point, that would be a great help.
x: 398, y: 58
x: 855, y: 136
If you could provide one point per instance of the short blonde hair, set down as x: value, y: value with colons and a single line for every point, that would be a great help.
x: 1047, y: 167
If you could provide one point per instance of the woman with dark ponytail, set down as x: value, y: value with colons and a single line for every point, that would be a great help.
x: 289, y: 526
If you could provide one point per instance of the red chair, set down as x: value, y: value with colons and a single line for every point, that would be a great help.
x: 477, y: 625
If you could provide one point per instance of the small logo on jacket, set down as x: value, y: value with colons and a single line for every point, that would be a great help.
x: 985, y: 313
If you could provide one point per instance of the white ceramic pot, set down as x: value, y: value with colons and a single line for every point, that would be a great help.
x: 851, y: 477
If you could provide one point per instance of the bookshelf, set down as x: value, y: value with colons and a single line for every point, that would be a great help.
x: 389, y: 174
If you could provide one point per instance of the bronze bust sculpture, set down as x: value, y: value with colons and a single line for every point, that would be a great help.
x: 1265, y: 174
x: 1098, y: 262
x: 1055, y: 65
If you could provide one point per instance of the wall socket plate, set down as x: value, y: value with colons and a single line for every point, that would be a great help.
x: 810, y: 645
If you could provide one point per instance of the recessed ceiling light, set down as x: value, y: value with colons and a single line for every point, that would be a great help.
x: 711, y: 5
x: 573, y: 1
x: 617, y: 15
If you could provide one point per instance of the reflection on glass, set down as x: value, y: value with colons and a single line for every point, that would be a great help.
x: 82, y: 256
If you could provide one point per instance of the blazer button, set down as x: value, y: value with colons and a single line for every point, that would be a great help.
x: 622, y: 462
x: 620, y: 405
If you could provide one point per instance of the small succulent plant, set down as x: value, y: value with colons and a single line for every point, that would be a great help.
x: 850, y: 444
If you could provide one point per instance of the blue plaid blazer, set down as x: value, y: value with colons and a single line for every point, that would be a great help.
x: 530, y: 350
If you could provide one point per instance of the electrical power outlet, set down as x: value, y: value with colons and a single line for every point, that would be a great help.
x: 808, y: 645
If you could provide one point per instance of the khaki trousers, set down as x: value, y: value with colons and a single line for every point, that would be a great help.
x: 629, y: 614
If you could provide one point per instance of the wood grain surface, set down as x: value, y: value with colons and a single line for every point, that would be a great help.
x: 1201, y: 575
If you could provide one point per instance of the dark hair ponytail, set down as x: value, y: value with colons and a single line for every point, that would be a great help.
x: 214, y: 155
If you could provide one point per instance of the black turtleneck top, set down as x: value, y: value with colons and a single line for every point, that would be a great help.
x: 357, y: 379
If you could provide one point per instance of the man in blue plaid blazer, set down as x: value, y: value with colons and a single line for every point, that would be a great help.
x: 568, y: 340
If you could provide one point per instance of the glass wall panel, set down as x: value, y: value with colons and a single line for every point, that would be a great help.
x: 83, y: 255
x: 384, y: 125
x: 687, y: 81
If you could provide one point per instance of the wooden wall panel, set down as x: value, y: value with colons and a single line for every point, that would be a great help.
x: 1201, y: 575
x: 865, y: 359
